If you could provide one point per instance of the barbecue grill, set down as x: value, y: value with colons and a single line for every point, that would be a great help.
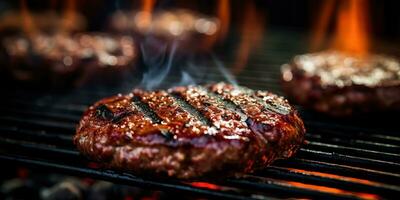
x: 342, y: 159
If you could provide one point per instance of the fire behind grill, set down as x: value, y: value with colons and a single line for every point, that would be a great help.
x: 342, y: 159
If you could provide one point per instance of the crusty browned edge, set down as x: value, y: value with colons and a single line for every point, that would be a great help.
x: 189, y: 159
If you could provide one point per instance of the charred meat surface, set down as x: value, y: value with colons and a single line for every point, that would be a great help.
x: 342, y: 85
x: 190, y: 132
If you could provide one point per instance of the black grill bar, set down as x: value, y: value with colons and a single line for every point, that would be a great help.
x: 42, y: 146
x: 61, y: 140
x: 373, y: 154
x: 346, y: 128
x: 123, y: 178
x: 348, y: 159
x: 69, y: 127
x: 387, y: 160
x: 364, y: 144
x: 267, y: 185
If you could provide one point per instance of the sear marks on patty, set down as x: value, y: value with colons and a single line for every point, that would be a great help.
x: 190, y: 132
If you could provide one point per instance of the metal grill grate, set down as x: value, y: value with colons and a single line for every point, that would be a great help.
x: 357, y: 159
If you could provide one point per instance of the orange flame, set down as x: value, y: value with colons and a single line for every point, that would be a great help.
x: 70, y: 17
x: 148, y: 5
x: 147, y: 11
x: 251, y: 32
x: 351, y: 30
x: 27, y: 20
x: 223, y: 14
x: 322, y: 24
x: 351, y: 35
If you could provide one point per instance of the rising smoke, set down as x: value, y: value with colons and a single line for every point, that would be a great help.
x: 166, y: 66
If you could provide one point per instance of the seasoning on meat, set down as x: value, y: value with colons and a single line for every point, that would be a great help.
x: 340, y: 84
x: 190, y: 132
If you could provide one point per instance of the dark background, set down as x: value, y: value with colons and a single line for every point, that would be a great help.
x: 286, y: 14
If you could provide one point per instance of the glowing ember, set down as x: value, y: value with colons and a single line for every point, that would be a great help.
x: 206, y: 185
x: 332, y: 190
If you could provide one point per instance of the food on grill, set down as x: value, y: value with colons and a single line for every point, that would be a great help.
x: 341, y: 85
x: 168, y: 28
x: 61, y: 57
x: 171, y: 23
x: 189, y: 132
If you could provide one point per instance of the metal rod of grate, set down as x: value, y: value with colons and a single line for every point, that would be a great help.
x: 330, y: 165
x: 340, y: 160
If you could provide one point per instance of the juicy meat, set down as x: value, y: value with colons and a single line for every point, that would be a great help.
x: 342, y: 85
x: 189, y: 132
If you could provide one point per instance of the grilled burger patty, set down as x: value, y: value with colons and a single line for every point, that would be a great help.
x: 63, y: 58
x: 189, y: 132
x: 342, y: 85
